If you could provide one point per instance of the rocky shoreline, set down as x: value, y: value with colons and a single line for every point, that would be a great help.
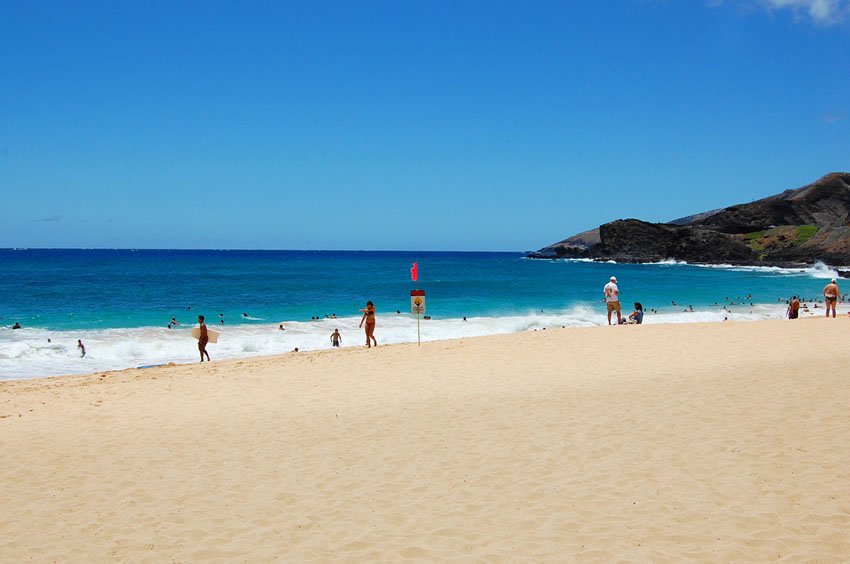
x: 794, y: 229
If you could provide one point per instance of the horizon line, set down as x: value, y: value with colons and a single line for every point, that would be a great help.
x: 254, y: 249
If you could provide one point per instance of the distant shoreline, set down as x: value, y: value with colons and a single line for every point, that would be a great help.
x: 843, y: 270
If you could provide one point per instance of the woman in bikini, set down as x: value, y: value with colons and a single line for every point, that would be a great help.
x: 369, y: 318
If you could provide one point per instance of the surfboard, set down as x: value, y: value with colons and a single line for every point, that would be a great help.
x: 211, y: 333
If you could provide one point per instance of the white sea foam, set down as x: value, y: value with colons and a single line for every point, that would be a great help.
x: 819, y: 270
x: 25, y: 353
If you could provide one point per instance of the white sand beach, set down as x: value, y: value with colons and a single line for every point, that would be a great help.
x: 709, y: 442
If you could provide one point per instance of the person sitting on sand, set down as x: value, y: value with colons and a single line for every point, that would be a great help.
x: 636, y: 317
x: 82, y: 348
x: 794, y: 308
x: 336, y: 338
x: 369, y: 318
x: 612, y: 299
x: 830, y: 295
x: 203, y: 338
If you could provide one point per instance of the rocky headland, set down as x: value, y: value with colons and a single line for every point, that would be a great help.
x: 798, y: 226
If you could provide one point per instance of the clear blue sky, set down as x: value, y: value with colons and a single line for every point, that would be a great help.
x: 481, y: 125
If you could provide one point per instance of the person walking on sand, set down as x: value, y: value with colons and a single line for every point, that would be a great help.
x: 369, y: 318
x: 831, y: 293
x: 203, y: 338
x: 82, y: 348
x: 336, y: 338
x: 612, y: 299
x: 794, y: 308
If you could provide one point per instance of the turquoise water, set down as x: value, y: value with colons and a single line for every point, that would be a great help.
x: 90, y: 289
x: 121, y: 301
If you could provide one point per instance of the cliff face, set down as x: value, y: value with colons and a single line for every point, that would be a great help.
x: 802, y: 225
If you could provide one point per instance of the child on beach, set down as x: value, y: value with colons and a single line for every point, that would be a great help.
x: 369, y: 318
x: 336, y: 338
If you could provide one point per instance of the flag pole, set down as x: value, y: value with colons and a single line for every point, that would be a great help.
x: 418, y: 312
x: 414, y: 274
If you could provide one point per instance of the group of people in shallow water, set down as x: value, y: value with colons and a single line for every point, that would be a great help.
x: 610, y: 291
x: 831, y: 296
x: 368, y: 320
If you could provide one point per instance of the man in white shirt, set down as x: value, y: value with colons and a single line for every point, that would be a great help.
x: 612, y: 299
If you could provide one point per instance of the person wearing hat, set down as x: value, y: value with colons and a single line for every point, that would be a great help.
x: 612, y: 299
x: 831, y: 294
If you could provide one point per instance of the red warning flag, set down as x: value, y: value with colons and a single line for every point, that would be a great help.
x: 414, y: 272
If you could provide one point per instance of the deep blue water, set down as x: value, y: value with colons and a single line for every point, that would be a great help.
x: 98, y: 289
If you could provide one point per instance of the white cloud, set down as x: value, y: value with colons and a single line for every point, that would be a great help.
x: 831, y: 118
x: 50, y: 219
x: 821, y: 12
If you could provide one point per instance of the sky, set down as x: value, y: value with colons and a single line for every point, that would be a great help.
x: 401, y: 125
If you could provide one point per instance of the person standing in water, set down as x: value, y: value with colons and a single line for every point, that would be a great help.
x: 369, y: 318
x: 336, y: 338
x: 831, y: 293
x: 612, y: 299
x: 82, y: 348
x: 203, y: 338
x: 794, y: 308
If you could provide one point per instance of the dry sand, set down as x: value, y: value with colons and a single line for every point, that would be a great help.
x: 708, y: 442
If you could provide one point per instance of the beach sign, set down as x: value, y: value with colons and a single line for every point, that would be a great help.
x: 417, y: 306
x: 417, y: 302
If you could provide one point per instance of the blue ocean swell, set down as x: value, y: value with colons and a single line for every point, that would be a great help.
x: 98, y: 289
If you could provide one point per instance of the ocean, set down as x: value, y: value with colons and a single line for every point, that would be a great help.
x: 120, y: 302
